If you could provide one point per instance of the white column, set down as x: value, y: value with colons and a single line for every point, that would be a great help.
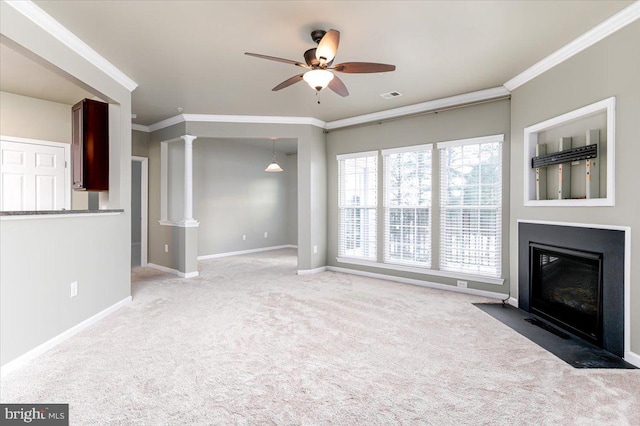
x: 188, y: 180
x: 164, y: 185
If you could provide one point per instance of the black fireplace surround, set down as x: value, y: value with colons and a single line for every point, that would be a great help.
x: 573, y: 277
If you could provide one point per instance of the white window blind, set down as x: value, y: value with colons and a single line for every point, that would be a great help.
x: 471, y: 206
x: 407, y: 203
x: 357, y: 205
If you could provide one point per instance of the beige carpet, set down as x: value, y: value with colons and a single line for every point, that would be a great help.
x: 250, y: 342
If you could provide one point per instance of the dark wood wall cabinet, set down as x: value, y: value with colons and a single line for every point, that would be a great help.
x: 90, y: 121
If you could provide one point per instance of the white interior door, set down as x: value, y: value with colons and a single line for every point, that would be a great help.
x: 32, y: 176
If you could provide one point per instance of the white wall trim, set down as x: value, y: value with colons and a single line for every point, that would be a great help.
x: 513, y: 302
x: 55, y: 341
x: 591, y: 37
x: 434, y: 105
x: 420, y: 283
x: 312, y: 271
x: 607, y: 106
x: 237, y: 253
x: 424, y: 271
x: 632, y: 358
x: 627, y: 274
x: 42, y: 19
x: 140, y: 128
x: 144, y: 207
x: 67, y: 161
x: 173, y: 271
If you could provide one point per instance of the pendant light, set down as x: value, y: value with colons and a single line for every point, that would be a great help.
x: 273, y: 166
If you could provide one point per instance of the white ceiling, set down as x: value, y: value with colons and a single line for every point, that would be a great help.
x: 189, y: 54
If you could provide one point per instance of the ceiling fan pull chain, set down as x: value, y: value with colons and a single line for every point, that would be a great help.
x: 318, y: 96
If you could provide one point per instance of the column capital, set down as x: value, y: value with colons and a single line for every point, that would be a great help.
x: 188, y: 139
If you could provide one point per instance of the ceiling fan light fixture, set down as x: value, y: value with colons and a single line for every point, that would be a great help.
x: 318, y: 79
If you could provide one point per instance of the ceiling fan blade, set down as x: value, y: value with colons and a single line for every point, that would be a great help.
x: 273, y: 58
x: 363, y: 67
x: 328, y: 46
x: 288, y: 82
x: 338, y: 86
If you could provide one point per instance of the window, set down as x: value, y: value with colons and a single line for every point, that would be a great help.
x: 471, y: 205
x: 407, y: 203
x: 357, y: 204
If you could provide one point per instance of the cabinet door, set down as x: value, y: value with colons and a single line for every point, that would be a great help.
x: 78, y: 182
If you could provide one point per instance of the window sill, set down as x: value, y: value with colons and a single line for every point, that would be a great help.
x: 423, y: 271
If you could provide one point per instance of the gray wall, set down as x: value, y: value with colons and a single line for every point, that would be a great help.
x: 140, y: 143
x: 291, y: 177
x: 481, y: 120
x: 609, y: 68
x: 234, y: 196
x: 160, y: 235
x: 32, y: 118
x: 312, y: 187
x: 136, y: 207
x: 41, y: 257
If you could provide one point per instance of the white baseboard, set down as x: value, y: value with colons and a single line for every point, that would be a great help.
x: 513, y: 301
x: 311, y: 271
x: 173, y: 271
x: 236, y: 253
x: 632, y: 358
x: 412, y: 281
x: 55, y: 341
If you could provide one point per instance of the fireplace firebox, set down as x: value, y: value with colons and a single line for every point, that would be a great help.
x: 566, y: 289
x: 573, y: 277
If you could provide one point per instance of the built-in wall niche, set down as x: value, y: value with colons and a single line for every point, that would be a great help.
x: 569, y: 160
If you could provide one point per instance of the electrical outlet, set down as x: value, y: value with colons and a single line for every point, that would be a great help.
x: 462, y: 284
x: 166, y: 248
x: 266, y: 234
x: 315, y: 249
x: 244, y: 238
x: 73, y: 289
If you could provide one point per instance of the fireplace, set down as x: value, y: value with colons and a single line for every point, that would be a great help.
x: 573, y: 277
x: 566, y: 289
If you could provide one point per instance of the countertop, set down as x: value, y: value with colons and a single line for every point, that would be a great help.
x: 58, y: 212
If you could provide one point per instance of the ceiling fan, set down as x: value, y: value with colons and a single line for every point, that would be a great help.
x: 319, y: 61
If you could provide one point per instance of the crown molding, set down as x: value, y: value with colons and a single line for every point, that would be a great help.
x: 167, y: 122
x: 140, y: 128
x: 437, y: 104
x: 591, y: 37
x: 434, y: 105
x: 253, y: 119
x: 45, y: 21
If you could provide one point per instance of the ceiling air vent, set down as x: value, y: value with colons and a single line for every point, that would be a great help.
x: 391, y: 95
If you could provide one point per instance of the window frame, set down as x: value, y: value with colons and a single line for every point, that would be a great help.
x: 495, y: 261
x: 365, y: 210
x: 414, y: 228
